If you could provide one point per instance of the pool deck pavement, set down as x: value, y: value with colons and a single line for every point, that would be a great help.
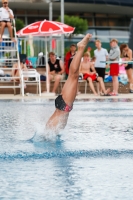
x: 81, y: 96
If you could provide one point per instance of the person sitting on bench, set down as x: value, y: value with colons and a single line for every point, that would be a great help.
x: 55, y: 70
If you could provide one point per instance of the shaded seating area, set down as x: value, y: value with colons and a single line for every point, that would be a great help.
x: 32, y: 87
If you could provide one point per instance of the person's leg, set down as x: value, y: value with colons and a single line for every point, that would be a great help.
x: 3, y: 24
x: 101, y: 83
x: 14, y: 72
x: 56, y: 83
x: 99, y: 90
x: 69, y: 90
x: 130, y: 77
x: 92, y: 86
x: 17, y: 75
x: 9, y: 26
x: 102, y: 75
x: 9, y: 29
x: 50, y: 78
x: 115, y: 84
x: 13, y: 69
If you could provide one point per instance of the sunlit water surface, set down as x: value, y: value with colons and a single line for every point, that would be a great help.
x: 91, y: 159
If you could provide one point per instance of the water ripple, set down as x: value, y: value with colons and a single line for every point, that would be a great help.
x: 103, y: 153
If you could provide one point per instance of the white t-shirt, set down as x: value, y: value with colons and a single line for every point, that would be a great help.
x: 100, y: 55
x: 4, y: 14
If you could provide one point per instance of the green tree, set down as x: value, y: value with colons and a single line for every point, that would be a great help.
x: 19, y: 24
x: 81, y: 25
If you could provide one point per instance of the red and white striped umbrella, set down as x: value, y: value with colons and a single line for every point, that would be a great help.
x: 45, y: 28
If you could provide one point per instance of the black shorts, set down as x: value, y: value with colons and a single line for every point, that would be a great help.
x: 5, y: 21
x: 129, y: 66
x: 100, y: 71
x: 61, y: 105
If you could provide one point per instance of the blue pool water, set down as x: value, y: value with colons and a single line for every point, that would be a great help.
x: 91, y: 159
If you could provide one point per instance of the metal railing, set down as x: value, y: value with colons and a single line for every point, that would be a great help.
x: 8, y: 56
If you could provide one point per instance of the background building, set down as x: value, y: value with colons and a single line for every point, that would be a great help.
x: 106, y: 18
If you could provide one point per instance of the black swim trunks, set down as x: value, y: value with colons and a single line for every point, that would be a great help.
x: 129, y: 66
x: 5, y: 21
x: 61, y: 105
x: 100, y: 71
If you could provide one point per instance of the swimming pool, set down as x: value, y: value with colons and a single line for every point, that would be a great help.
x: 92, y: 159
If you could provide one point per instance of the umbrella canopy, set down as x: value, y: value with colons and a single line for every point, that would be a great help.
x: 45, y: 28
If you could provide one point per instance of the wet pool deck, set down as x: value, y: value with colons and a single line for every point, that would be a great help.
x: 81, y: 96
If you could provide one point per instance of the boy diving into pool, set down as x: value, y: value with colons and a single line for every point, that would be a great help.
x: 64, y: 102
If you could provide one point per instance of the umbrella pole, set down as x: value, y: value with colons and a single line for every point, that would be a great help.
x: 46, y: 58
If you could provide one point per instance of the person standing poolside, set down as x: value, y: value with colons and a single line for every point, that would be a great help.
x: 114, y: 55
x: 89, y: 73
x: 100, y: 54
x: 126, y: 53
x: 6, y: 14
x: 64, y: 102
x: 68, y: 56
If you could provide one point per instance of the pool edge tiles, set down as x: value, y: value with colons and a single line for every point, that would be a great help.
x: 81, y: 96
x: 42, y: 100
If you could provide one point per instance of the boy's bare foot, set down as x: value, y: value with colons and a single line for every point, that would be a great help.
x: 100, y: 93
x: 84, y: 41
x: 107, y: 91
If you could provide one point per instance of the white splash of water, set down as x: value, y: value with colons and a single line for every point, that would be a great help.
x: 43, y: 134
